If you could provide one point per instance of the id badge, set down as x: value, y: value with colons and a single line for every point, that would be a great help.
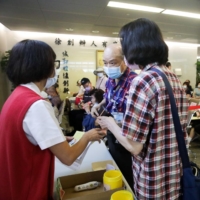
x: 118, y: 116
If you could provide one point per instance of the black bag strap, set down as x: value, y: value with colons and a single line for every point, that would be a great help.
x: 178, y: 129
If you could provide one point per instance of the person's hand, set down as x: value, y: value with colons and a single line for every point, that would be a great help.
x: 94, y: 111
x: 106, y: 122
x: 95, y: 134
x: 96, y: 123
x: 69, y: 139
x: 80, y: 96
x: 87, y: 107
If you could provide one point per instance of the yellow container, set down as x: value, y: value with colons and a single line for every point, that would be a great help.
x: 122, y: 195
x: 112, y: 179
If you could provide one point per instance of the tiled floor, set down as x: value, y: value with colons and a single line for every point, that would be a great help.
x: 194, y: 152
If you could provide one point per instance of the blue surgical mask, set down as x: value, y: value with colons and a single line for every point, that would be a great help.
x: 51, y: 81
x: 88, y: 88
x: 113, y: 72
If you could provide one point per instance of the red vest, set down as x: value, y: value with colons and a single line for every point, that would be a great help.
x: 26, y: 171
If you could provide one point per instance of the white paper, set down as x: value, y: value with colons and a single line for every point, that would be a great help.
x: 109, y: 167
x: 77, y: 163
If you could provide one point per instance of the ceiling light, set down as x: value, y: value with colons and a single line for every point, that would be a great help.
x: 95, y: 31
x: 134, y: 7
x: 182, y: 14
x: 69, y: 29
x: 115, y: 33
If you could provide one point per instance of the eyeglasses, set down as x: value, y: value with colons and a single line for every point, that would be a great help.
x: 57, y: 64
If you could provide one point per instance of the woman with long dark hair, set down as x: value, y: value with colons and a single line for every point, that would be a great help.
x: 148, y: 129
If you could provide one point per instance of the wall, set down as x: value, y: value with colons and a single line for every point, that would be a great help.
x: 4, y: 46
x: 184, y: 57
x: 82, y: 59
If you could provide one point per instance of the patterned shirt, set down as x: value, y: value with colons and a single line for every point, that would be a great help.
x: 116, y: 94
x: 148, y: 120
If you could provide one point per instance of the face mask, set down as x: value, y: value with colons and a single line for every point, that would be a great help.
x: 51, y: 81
x: 113, y: 72
x: 88, y: 88
x: 131, y: 66
x: 100, y: 75
x: 185, y: 86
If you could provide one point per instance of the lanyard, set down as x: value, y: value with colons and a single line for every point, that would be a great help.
x: 112, y: 93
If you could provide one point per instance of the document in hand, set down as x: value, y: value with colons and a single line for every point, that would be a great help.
x: 77, y: 163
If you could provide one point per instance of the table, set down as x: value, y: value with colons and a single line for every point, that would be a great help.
x: 97, y: 152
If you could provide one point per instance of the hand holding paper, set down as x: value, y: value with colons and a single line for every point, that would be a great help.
x: 106, y: 122
x: 96, y: 134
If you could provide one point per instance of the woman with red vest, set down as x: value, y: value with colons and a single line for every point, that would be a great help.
x: 30, y: 135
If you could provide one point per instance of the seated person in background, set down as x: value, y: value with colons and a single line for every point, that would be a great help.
x: 54, y: 96
x: 195, y: 127
x: 196, y: 93
x: 190, y: 87
x: 87, y: 85
x: 89, y: 122
x: 81, y: 89
x: 76, y: 116
x: 187, y: 91
x: 102, y: 79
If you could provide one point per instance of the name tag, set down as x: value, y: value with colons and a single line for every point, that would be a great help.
x: 118, y: 116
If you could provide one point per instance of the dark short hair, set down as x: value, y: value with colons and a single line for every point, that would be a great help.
x: 186, y: 83
x: 98, y: 94
x: 142, y: 43
x: 168, y: 64
x: 30, y: 61
x: 84, y: 81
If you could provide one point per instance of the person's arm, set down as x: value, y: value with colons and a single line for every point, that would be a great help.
x: 94, y: 110
x: 79, y: 95
x: 87, y: 107
x: 67, y: 155
x: 140, y: 111
x: 108, y: 122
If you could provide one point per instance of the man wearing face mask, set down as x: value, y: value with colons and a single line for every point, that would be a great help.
x: 102, y: 79
x: 115, y: 99
x: 87, y: 85
x: 76, y: 116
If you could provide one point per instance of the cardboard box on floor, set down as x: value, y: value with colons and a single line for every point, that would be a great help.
x: 65, y: 187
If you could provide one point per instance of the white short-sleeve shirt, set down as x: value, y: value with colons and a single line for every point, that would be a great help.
x: 40, y: 124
